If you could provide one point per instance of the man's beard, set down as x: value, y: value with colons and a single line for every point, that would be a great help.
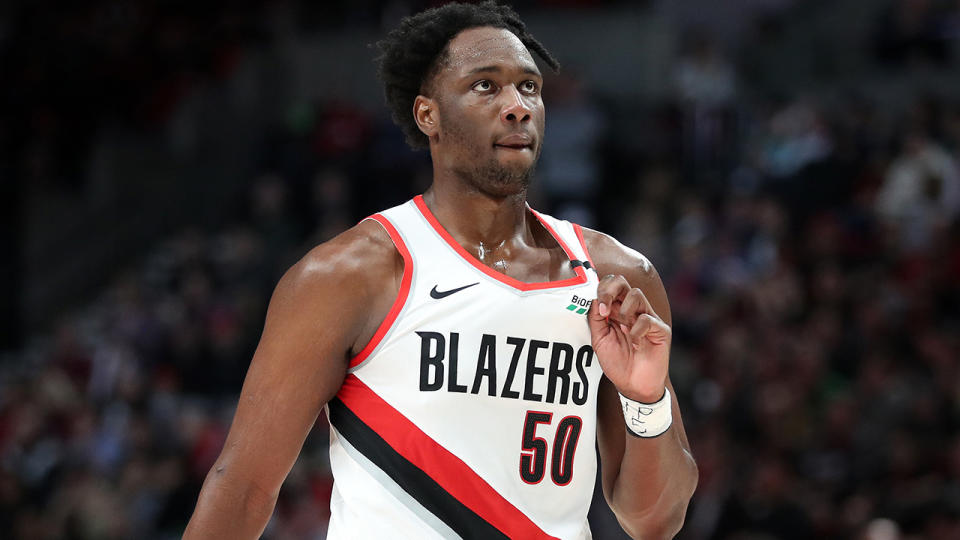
x: 495, y: 179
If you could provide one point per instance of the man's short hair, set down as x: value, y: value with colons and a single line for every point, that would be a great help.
x: 413, y: 53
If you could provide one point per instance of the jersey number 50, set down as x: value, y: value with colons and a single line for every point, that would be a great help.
x: 533, y: 455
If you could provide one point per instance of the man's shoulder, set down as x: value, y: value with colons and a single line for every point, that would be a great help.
x: 361, y: 254
x: 612, y: 257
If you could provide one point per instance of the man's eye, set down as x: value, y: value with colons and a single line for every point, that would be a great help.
x: 529, y: 87
x: 483, y: 86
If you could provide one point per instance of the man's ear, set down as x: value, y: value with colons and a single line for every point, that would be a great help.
x: 426, y: 116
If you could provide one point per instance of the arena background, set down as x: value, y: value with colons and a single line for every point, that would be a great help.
x: 790, y: 166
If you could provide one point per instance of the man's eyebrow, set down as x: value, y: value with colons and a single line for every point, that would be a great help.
x: 497, y: 69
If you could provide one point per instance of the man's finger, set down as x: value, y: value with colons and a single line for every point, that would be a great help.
x: 650, y: 328
x: 611, y: 289
x: 597, y: 322
x: 644, y: 303
x: 631, y: 307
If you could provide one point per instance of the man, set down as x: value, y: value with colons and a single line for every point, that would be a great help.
x: 449, y: 337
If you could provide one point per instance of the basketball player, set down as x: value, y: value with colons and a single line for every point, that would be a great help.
x: 466, y: 348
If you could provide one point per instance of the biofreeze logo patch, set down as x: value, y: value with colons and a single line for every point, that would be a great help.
x: 506, y: 367
x: 579, y: 305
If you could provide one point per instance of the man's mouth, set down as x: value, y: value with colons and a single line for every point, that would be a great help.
x: 518, y: 141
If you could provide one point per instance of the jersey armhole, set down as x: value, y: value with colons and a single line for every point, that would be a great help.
x: 402, y: 295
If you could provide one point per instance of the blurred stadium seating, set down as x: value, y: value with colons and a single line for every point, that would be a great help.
x: 790, y: 167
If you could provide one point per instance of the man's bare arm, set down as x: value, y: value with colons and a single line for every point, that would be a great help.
x: 647, y: 482
x: 325, y: 307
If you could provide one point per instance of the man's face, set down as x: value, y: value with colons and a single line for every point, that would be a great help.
x: 491, y: 114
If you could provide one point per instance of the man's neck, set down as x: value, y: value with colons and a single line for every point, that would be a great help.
x: 474, y: 218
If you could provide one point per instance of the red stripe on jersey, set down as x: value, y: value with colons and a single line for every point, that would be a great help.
x: 401, y: 295
x: 445, y: 468
x: 579, y: 230
x: 580, y: 278
x: 566, y: 249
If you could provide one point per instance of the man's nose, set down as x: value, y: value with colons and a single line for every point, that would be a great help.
x: 515, y: 109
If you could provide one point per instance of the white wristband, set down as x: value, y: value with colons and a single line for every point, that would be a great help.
x: 647, y: 419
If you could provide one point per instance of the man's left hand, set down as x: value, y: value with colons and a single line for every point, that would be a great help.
x: 631, y: 341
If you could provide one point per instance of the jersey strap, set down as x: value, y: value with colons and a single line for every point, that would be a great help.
x: 402, y: 294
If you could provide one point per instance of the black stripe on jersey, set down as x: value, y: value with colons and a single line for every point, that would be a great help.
x: 574, y: 263
x: 409, y: 477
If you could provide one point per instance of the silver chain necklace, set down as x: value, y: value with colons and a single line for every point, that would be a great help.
x: 483, y: 252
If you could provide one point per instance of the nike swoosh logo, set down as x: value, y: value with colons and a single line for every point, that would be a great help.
x: 434, y: 293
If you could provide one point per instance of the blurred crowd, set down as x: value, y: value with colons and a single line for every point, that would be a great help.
x: 809, y: 243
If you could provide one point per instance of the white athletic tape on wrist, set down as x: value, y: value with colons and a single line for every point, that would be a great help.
x: 647, y: 419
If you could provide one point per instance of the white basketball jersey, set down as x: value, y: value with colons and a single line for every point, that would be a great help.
x: 472, y: 411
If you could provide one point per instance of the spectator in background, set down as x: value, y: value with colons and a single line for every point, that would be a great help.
x: 569, y: 171
x: 704, y: 75
x: 706, y: 86
x: 920, y: 194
